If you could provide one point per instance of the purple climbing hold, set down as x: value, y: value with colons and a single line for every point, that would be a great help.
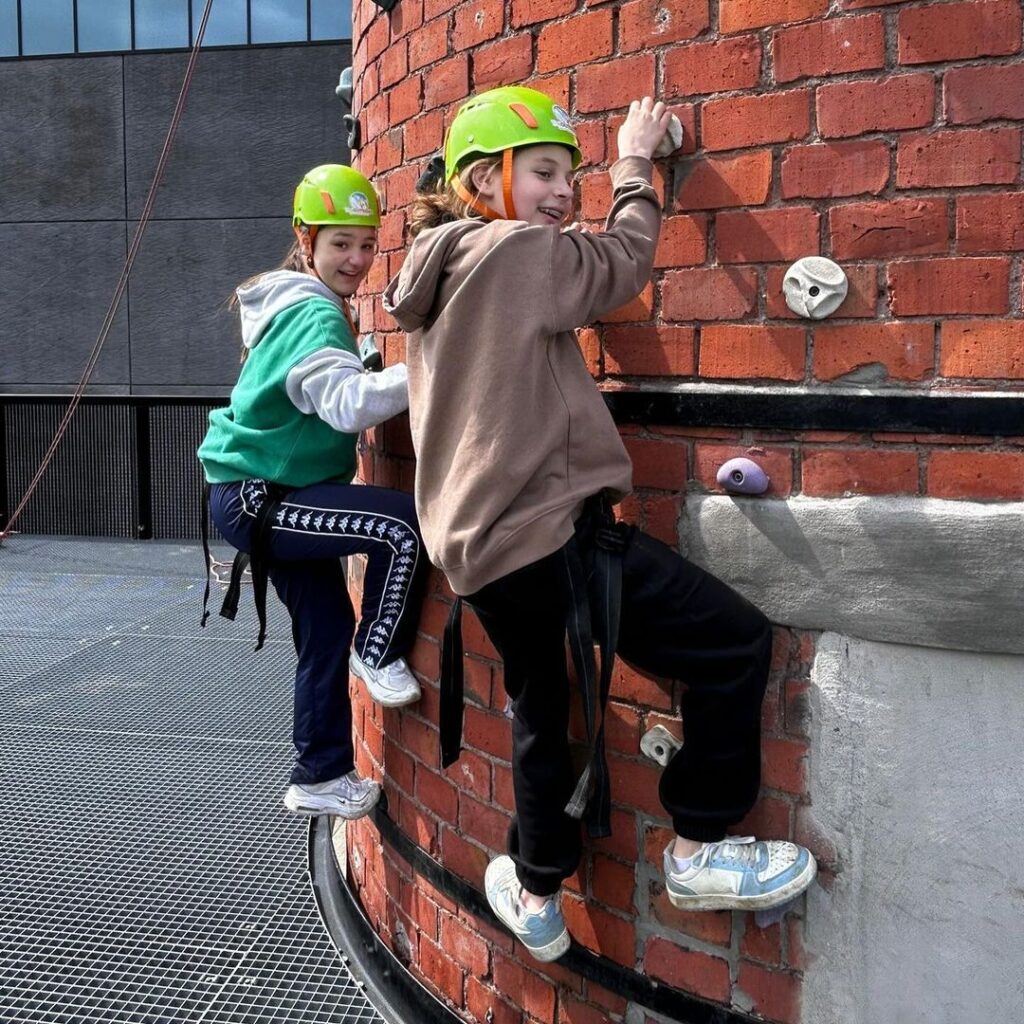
x: 742, y: 476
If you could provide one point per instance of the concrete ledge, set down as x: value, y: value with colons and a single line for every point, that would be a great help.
x: 906, y: 570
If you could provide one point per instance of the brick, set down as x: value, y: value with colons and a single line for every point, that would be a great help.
x: 975, y: 94
x: 832, y: 47
x: 904, y: 351
x: 715, y: 293
x: 658, y: 464
x: 765, y: 236
x: 440, y: 970
x: 649, y: 23
x: 394, y: 64
x: 536, y: 995
x: 476, y: 22
x: 613, y: 883
x: 615, y: 83
x: 976, y: 475
x: 861, y: 298
x: 435, y: 8
x: 776, y: 462
x: 406, y: 20
x: 956, y: 31
x: 741, y: 121
x: 504, y: 62
x: 989, y: 349
x: 835, y: 169
x: 572, y: 1011
x: 488, y: 733
x: 763, y: 944
x: 484, y: 1003
x: 889, y: 104
x: 438, y: 795
x: 423, y: 134
x: 737, y: 15
x: 467, y: 860
x: 575, y: 41
x: 719, y: 66
x: 683, y: 241
x: 720, y: 182
x: 628, y: 684
x: 641, y: 309
x: 406, y: 99
x: 428, y: 44
x: 970, y: 285
x: 649, y: 351
x: 635, y: 784
x: 752, y: 350
x: 833, y: 472
x: 446, y: 82
x: 703, y: 975
x: 529, y: 12
x: 468, y: 949
x: 421, y: 740
x: 887, y: 228
x: 601, y: 931
x: 771, y: 994
x: 963, y: 157
x: 483, y: 823
x: 555, y: 86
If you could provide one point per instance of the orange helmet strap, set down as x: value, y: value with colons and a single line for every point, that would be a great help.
x: 473, y: 202
x: 506, y: 184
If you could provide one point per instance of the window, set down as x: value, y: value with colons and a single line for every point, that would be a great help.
x: 34, y: 27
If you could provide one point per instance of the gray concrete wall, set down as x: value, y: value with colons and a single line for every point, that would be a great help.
x: 81, y: 140
x: 908, y: 570
x: 916, y: 777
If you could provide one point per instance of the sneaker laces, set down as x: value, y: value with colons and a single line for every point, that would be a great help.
x: 740, y: 849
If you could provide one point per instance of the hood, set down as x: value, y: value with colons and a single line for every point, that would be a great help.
x: 416, y: 293
x: 262, y: 300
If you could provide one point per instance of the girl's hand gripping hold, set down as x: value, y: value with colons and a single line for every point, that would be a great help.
x: 644, y: 127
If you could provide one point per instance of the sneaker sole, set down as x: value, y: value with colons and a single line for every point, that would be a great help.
x: 311, y: 810
x: 766, y: 901
x: 384, y: 700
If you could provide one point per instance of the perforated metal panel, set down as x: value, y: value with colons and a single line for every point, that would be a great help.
x: 90, y: 487
x: 150, y: 873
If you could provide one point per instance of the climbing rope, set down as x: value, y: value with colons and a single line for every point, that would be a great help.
x: 122, y: 282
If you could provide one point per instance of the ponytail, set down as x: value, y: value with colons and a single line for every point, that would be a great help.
x: 436, y: 201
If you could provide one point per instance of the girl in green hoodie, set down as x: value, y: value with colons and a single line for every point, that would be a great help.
x: 280, y: 460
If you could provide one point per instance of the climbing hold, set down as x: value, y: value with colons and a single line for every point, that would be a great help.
x: 742, y: 476
x: 815, y: 287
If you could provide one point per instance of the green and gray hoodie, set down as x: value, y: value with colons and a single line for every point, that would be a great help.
x: 302, y: 395
x: 510, y: 431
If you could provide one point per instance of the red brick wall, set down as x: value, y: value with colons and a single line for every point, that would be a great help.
x: 882, y: 133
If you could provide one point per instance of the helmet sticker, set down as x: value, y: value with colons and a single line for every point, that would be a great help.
x: 358, y: 205
x: 561, y: 120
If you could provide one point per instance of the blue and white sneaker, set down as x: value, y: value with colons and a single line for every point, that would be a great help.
x: 739, y: 874
x: 543, y: 933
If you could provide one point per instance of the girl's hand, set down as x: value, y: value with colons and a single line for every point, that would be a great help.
x: 644, y: 127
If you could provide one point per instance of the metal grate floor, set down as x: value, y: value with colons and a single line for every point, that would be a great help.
x: 149, y: 872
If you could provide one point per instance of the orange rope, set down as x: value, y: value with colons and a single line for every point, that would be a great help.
x: 133, y: 249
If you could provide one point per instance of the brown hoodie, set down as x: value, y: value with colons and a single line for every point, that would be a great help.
x: 510, y: 431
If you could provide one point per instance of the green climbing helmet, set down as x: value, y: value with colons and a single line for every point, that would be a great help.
x: 335, y: 194
x: 506, y: 118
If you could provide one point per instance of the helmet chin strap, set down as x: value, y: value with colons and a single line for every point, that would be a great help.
x: 478, y: 206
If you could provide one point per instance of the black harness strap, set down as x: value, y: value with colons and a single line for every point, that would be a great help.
x: 258, y: 561
x: 452, y: 687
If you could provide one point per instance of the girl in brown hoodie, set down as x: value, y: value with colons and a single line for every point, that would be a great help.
x: 518, y: 462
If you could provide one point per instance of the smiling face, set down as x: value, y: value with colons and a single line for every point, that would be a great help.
x: 342, y: 256
x: 541, y: 184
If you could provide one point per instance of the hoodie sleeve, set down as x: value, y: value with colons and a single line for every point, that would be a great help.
x: 593, y: 273
x: 333, y: 384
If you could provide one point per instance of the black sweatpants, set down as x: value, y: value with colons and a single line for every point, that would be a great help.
x: 679, y: 622
x: 314, y: 527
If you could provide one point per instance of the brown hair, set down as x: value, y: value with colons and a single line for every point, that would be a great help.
x: 442, y: 204
x: 293, y: 260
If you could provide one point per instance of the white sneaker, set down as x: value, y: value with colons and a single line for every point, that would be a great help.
x: 739, y: 873
x: 348, y: 797
x: 391, y: 686
x: 543, y: 932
